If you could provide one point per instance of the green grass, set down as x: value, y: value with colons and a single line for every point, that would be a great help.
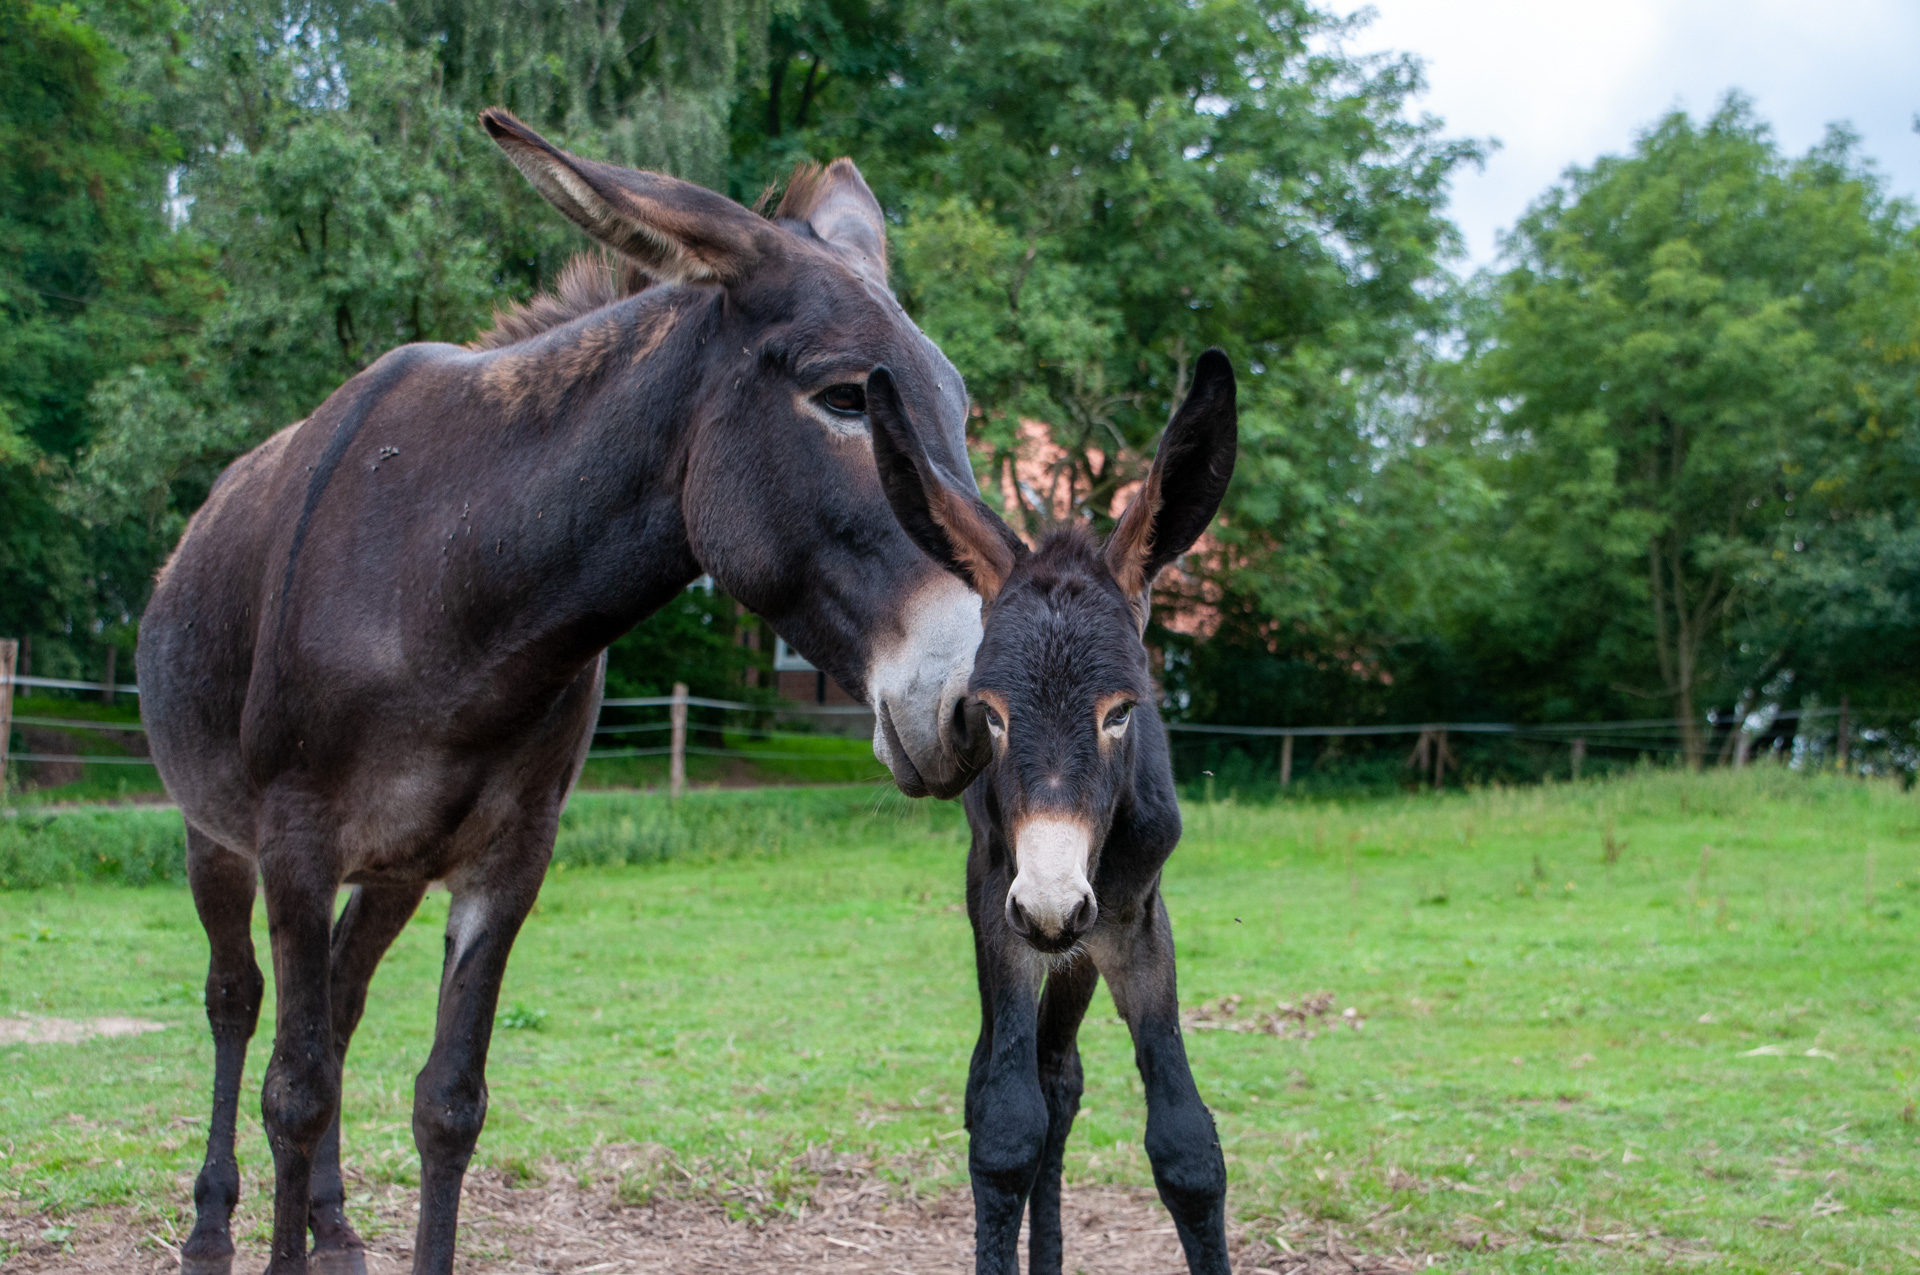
x: 1553, y: 1043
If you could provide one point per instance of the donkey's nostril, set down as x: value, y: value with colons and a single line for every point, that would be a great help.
x: 969, y: 737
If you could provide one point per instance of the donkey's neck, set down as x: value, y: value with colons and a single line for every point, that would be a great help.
x: 594, y: 419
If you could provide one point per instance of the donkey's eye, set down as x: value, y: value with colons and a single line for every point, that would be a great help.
x: 1118, y: 717
x: 995, y: 722
x: 845, y: 399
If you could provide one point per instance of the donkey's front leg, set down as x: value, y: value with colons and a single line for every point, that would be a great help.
x: 1006, y: 1110
x: 490, y: 900
x: 1062, y: 1005
x: 302, y: 1093
x: 373, y: 918
x: 1182, y: 1145
x: 223, y: 886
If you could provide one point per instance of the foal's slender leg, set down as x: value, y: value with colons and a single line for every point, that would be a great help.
x: 302, y: 1093
x: 223, y: 894
x: 1062, y: 1005
x: 450, y: 1094
x: 1182, y: 1144
x: 1006, y: 1110
x: 374, y: 917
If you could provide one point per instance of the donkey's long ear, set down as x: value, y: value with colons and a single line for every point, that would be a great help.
x: 1183, y: 490
x: 679, y: 231
x: 953, y: 525
x: 836, y: 202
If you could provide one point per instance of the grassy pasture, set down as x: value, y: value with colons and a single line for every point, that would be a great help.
x: 1677, y: 1011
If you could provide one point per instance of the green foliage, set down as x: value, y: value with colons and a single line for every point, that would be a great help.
x: 1664, y: 462
x: 1686, y: 345
x: 695, y: 639
x: 94, y: 284
x: 1088, y: 194
x: 600, y: 829
x: 136, y: 846
x: 133, y: 847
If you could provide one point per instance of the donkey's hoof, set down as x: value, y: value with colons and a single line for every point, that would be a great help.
x: 337, y: 1261
x: 222, y: 1265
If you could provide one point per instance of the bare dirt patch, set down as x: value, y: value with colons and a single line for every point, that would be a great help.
x: 852, y: 1221
x: 27, y: 1029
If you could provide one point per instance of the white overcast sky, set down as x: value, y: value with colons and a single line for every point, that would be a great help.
x: 1559, y: 83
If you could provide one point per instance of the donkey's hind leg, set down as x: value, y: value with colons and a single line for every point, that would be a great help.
x: 223, y: 885
x: 1182, y: 1146
x: 1062, y: 1005
x: 374, y: 917
x: 450, y: 1094
x: 301, y: 1096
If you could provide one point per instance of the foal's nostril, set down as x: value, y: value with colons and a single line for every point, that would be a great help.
x: 1017, y: 918
x: 1083, y: 916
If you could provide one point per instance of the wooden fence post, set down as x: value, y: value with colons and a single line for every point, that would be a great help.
x: 1579, y: 755
x: 1439, y: 759
x: 677, y: 759
x: 1286, y: 759
x: 106, y: 682
x: 1846, y: 739
x: 9, y: 656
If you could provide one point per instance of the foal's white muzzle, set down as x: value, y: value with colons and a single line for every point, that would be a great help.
x: 1051, y: 903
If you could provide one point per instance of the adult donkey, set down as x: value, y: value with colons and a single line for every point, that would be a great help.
x: 376, y: 656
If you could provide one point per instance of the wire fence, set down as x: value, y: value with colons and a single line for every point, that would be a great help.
x: 754, y: 732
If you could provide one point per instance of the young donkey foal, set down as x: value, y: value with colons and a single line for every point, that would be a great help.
x: 375, y: 657
x: 1072, y: 819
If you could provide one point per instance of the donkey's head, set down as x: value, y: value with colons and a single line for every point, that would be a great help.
x: 1061, y: 677
x: 780, y: 497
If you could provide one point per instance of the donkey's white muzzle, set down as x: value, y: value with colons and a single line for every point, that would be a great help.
x: 916, y: 683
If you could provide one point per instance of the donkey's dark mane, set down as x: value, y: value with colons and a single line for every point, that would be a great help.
x: 587, y: 282
x: 594, y: 279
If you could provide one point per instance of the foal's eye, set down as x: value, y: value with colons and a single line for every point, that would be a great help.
x: 845, y: 399
x: 994, y: 721
x: 1118, y: 717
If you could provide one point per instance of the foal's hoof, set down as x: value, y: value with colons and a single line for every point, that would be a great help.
x: 337, y: 1261
x: 207, y: 1265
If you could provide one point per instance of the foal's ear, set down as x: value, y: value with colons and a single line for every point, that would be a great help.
x: 951, y: 523
x: 680, y: 232
x: 1183, y: 490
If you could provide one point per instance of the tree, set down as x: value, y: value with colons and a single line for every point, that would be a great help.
x: 1676, y: 356
x: 1085, y: 195
x: 94, y: 283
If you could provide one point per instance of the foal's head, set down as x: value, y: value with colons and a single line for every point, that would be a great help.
x: 779, y: 495
x: 1060, y: 684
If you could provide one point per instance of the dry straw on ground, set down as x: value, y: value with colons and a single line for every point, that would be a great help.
x: 853, y: 1220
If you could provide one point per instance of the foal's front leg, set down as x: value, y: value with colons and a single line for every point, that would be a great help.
x: 1182, y: 1145
x: 1063, y: 1004
x: 1006, y: 1110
